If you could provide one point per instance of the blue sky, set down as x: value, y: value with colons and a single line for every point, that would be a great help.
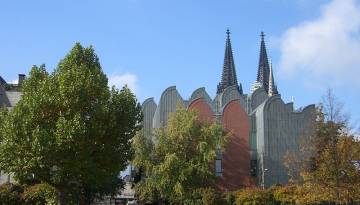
x: 153, y: 44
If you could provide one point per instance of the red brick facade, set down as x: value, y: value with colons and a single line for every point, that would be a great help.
x: 236, y: 157
x: 204, y: 110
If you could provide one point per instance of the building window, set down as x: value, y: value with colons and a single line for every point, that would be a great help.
x: 218, y: 168
x: 253, y: 168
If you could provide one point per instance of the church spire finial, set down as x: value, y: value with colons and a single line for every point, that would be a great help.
x: 228, y: 33
x: 262, y: 35
x: 263, y: 69
x: 228, y: 77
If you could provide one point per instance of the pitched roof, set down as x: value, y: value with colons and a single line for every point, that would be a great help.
x: 13, y: 97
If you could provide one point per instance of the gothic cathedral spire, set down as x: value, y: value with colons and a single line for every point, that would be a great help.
x: 263, y: 69
x: 228, y: 77
x: 272, y: 86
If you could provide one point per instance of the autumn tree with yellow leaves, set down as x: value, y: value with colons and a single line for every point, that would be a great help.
x: 329, y: 170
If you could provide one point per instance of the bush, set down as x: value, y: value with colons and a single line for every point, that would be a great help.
x: 229, y: 198
x: 250, y: 196
x: 205, y: 196
x: 208, y: 196
x: 201, y: 196
x: 10, y: 194
x: 40, y: 194
x: 285, y: 195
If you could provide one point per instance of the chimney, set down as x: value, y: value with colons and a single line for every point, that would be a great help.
x: 21, y: 79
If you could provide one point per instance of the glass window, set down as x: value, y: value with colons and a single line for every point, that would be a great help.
x: 218, y: 168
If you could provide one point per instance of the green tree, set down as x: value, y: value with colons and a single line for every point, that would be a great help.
x: 70, y: 130
x: 178, y: 165
x: 40, y: 194
x: 10, y: 194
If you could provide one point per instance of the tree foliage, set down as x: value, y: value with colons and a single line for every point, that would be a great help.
x: 40, y: 194
x: 336, y: 176
x: 329, y: 169
x: 285, y: 195
x: 69, y: 129
x: 178, y: 165
x: 252, y: 196
x: 10, y: 194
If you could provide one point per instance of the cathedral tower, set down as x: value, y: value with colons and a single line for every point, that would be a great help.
x: 228, y: 77
x: 272, y: 86
x: 263, y: 73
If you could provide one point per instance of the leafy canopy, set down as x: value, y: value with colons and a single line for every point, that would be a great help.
x: 329, y: 170
x: 69, y: 129
x: 179, y: 161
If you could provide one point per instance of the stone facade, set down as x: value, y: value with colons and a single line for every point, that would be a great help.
x: 275, y: 130
x: 10, y: 93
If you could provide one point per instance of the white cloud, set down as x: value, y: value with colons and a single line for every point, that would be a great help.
x: 120, y: 81
x: 325, y: 50
x: 14, y: 81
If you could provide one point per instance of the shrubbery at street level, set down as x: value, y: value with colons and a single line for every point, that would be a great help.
x: 276, y: 195
x: 15, y: 194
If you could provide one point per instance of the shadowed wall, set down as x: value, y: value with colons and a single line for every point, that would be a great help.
x: 236, y: 157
